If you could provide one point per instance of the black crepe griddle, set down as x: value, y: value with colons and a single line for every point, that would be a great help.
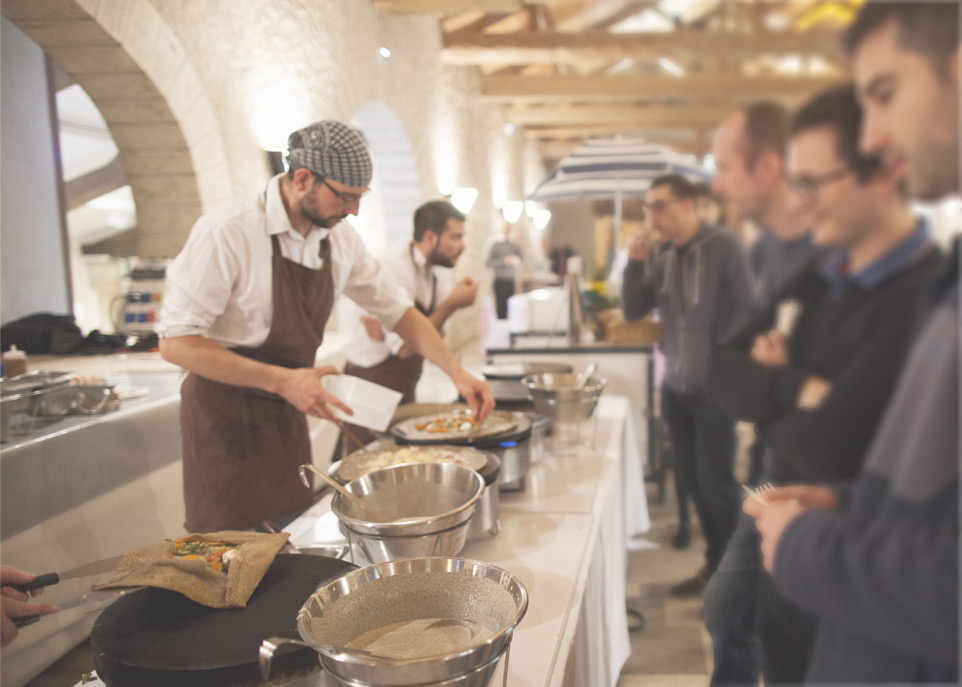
x: 519, y: 370
x: 159, y: 638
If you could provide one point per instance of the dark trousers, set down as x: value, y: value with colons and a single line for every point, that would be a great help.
x: 703, y: 439
x: 503, y: 290
x: 731, y: 608
x: 786, y: 633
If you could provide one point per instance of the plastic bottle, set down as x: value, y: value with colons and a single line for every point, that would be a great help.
x: 14, y: 362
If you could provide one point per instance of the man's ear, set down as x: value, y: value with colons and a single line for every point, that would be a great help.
x: 303, y: 179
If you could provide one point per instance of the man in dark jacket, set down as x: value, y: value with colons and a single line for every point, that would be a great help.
x: 702, y: 287
x: 816, y: 387
x: 876, y: 561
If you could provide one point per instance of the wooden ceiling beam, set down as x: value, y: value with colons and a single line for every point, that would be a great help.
x: 557, y: 150
x: 568, y: 48
x: 599, y: 13
x: 514, y: 89
x: 650, y: 116
x: 452, y: 6
x: 665, y: 133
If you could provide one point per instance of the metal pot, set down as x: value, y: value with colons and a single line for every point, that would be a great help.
x: 389, y: 593
x: 563, y: 398
x: 433, y: 501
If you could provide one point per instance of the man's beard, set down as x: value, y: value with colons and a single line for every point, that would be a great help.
x: 309, y: 209
x: 436, y: 257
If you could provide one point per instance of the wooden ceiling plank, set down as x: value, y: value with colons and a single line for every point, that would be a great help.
x: 505, y: 88
x: 445, y: 6
x: 652, y: 115
x: 557, y: 47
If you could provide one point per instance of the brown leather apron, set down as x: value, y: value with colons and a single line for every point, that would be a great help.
x: 242, y: 446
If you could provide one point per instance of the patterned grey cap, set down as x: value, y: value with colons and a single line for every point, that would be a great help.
x: 333, y: 150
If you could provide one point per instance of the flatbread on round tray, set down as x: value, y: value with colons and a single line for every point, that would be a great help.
x: 363, y: 462
x: 455, y: 424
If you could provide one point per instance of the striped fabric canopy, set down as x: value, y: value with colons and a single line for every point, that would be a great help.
x: 608, y: 167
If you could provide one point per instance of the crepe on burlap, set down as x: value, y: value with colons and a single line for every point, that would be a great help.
x: 154, y: 566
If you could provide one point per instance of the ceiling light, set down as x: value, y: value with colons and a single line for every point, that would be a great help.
x: 463, y: 198
x: 509, y: 128
x: 541, y: 219
x: 512, y: 210
x: 384, y: 53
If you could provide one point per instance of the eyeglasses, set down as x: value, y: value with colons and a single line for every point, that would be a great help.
x: 808, y: 187
x: 346, y: 198
x: 660, y: 205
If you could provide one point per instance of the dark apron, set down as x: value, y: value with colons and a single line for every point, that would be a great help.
x: 394, y: 372
x: 242, y: 446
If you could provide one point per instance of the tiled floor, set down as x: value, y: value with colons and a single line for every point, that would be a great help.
x: 673, y: 649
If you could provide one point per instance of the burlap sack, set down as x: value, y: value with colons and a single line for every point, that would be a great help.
x: 153, y: 566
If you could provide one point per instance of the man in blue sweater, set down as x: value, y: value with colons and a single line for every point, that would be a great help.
x: 876, y: 561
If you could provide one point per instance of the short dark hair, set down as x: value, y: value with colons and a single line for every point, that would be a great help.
x: 433, y: 216
x: 681, y: 187
x: 928, y: 28
x: 703, y: 190
x: 839, y: 109
x: 766, y: 130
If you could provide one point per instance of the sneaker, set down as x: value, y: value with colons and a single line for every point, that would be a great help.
x: 692, y: 586
x: 682, y: 538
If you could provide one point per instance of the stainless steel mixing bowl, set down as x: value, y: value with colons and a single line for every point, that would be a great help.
x: 431, y: 503
x: 561, y: 397
x: 387, y: 593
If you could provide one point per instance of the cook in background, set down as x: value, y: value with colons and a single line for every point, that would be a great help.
x: 14, y: 604
x: 422, y: 268
x: 877, y: 561
x: 702, y: 287
x: 248, y: 298
x: 503, y: 256
x: 816, y: 387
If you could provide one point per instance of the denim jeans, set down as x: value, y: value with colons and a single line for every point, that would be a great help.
x: 703, y: 439
x: 730, y: 608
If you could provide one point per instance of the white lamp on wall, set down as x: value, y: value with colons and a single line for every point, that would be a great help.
x: 512, y: 210
x: 541, y: 219
x: 463, y: 198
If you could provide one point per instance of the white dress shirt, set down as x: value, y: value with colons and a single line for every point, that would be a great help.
x: 220, y: 285
x: 410, y: 269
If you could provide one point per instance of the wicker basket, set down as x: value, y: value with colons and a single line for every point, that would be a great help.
x: 643, y: 331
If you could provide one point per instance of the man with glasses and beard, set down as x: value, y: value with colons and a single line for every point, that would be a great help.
x: 876, y: 561
x: 702, y: 287
x: 247, y: 302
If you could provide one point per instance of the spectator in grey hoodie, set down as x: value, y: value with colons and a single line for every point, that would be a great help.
x: 702, y: 287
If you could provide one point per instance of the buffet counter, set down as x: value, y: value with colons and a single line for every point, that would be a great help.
x: 565, y: 537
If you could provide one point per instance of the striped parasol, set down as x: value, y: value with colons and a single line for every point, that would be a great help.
x: 614, y: 167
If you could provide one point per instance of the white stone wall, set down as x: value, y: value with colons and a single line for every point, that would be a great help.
x: 270, y: 66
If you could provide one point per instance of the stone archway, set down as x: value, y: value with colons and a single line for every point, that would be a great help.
x: 132, y: 66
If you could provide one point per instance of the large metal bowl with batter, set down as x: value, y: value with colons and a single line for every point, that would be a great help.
x: 450, y: 590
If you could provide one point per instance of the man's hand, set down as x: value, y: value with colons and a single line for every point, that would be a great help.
x: 375, y: 332
x: 771, y: 349
x: 302, y: 388
x: 772, y: 523
x: 813, y: 392
x: 639, y: 246
x: 464, y: 293
x: 512, y: 260
x: 807, y: 495
x: 477, y: 393
x: 14, y: 604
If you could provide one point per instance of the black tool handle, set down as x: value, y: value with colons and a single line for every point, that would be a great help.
x: 25, y: 620
x: 41, y: 581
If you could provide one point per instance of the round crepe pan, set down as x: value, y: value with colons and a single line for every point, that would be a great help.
x: 158, y: 638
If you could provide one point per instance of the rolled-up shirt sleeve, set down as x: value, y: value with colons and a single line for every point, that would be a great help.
x: 199, y: 282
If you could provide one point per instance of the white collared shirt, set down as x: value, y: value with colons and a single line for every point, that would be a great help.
x: 411, y: 271
x: 220, y: 285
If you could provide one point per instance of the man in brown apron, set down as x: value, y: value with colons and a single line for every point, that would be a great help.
x: 438, y: 242
x: 247, y: 302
